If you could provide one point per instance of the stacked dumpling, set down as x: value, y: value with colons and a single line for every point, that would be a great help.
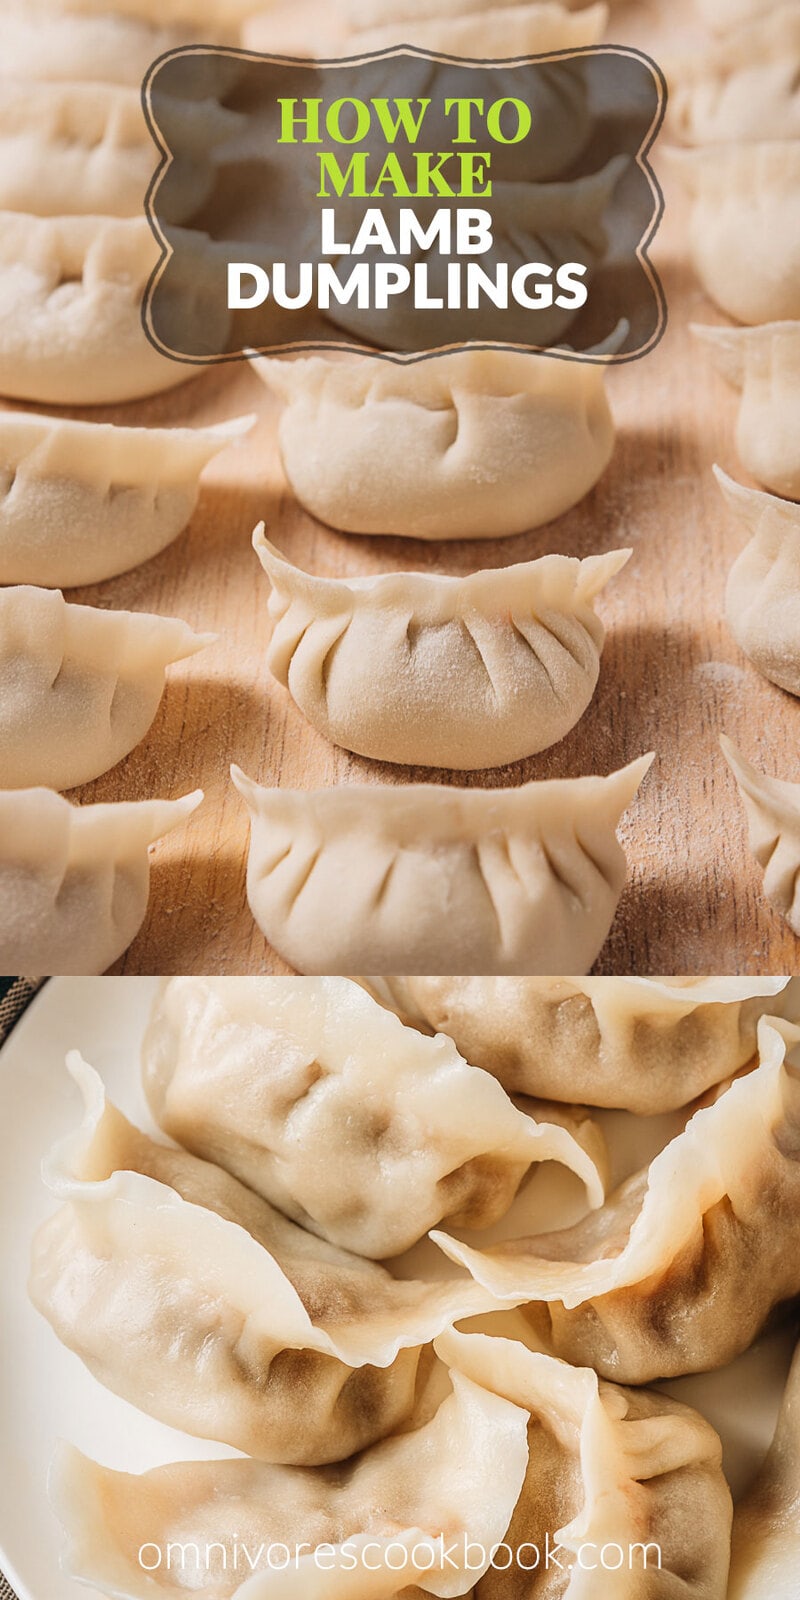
x: 233, y: 1284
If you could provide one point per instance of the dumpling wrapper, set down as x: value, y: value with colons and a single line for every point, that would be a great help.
x: 190, y: 1296
x: 79, y: 686
x: 499, y: 32
x: 645, y: 1045
x: 84, y: 501
x: 772, y: 809
x: 75, y: 880
x: 500, y: 442
x: 456, y: 1477
x: 373, y: 662
x: 107, y: 44
x: 764, y: 365
x: 681, y: 1269
x: 765, y: 1558
x: 361, y: 1129
x: 425, y: 879
x: 71, y: 291
x: 744, y: 232
x: 610, y: 1469
x: 762, y: 601
x: 744, y: 87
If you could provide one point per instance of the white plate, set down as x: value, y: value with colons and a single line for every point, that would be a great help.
x: 46, y: 1394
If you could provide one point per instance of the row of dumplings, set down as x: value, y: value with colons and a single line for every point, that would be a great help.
x: 736, y: 105
x: 231, y: 1283
x: 500, y: 443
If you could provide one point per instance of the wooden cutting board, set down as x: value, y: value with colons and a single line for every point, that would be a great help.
x: 672, y: 677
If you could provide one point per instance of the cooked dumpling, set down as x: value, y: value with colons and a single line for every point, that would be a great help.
x: 772, y: 808
x: 499, y: 32
x: 611, y: 1470
x: 79, y: 687
x: 766, y: 1527
x: 764, y: 364
x: 763, y: 594
x: 499, y: 441
x: 744, y: 234
x: 425, y: 879
x: 70, y: 311
x: 682, y: 1267
x: 188, y: 1295
x: 84, y: 501
x: 74, y: 881
x: 371, y: 662
x: 326, y: 1104
x: 745, y: 87
x: 641, y: 1044
x: 456, y: 1478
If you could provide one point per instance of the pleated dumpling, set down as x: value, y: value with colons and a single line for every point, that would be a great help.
x: 610, y: 1471
x: 682, y: 1267
x: 84, y: 501
x: 645, y: 1045
x: 764, y: 365
x: 195, y: 1300
x: 765, y: 1557
x: 499, y: 441
x: 359, y: 1128
x: 422, y: 879
x: 72, y: 149
x: 744, y: 233
x: 763, y: 594
x: 74, y: 880
x: 400, y: 1513
x: 524, y: 28
x: 105, y: 43
x: 744, y: 87
x: 372, y: 662
x: 558, y: 96
x: 79, y: 687
x: 772, y: 809
x: 71, y: 293
x: 723, y: 14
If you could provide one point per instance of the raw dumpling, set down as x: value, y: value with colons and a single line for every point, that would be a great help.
x: 499, y: 32
x: 74, y: 880
x: 641, y: 1044
x: 84, y: 501
x: 609, y: 1470
x: 372, y: 13
x: 73, y: 148
x: 772, y: 808
x: 544, y: 222
x: 558, y: 97
x: 766, y: 1527
x: 104, y: 45
x: 745, y: 87
x: 764, y: 364
x: 192, y: 1298
x: 723, y: 14
x: 457, y: 1478
x: 421, y: 879
x: 71, y: 293
x: 359, y: 1128
x: 79, y: 687
x: 372, y: 662
x: 744, y: 234
x: 477, y: 444
x: 763, y: 594
x: 78, y: 148
x: 682, y: 1267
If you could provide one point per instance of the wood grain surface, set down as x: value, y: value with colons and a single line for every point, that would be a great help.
x: 672, y: 677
